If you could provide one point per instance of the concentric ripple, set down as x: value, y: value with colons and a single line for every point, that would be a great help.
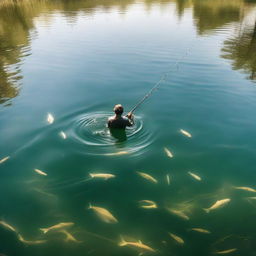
x: 90, y: 135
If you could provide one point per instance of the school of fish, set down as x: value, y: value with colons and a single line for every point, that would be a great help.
x: 104, y: 215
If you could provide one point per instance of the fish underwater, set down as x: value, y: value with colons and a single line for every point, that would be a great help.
x: 30, y: 242
x: 168, y: 152
x: 246, y: 189
x: 185, y: 133
x: 69, y: 237
x: 252, y: 198
x: 50, y: 118
x: 226, y: 251
x: 168, y: 179
x: 57, y: 227
x: 4, y: 159
x: 40, y: 172
x: 147, y: 204
x: 201, y: 230
x: 104, y: 176
x: 7, y: 226
x: 217, y: 205
x: 63, y: 135
x: 136, y: 245
x: 176, y: 238
x: 120, y: 153
x: 147, y: 177
x: 178, y: 213
x: 196, y: 177
x: 103, y: 214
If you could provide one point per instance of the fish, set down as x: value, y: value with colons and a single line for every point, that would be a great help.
x: 57, y: 227
x: 50, y: 118
x: 40, y: 172
x: 4, y: 159
x: 105, y: 176
x: 30, y: 242
x: 117, y: 153
x: 178, y: 213
x: 136, y: 245
x: 69, y: 237
x: 226, y: 251
x: 195, y: 176
x: 168, y: 179
x: 201, y: 230
x: 147, y: 177
x: 176, y: 238
x: 185, y: 133
x: 252, y: 197
x: 7, y: 226
x: 246, y: 189
x: 168, y: 152
x: 148, y: 204
x: 103, y: 214
x: 63, y: 135
x: 218, y: 204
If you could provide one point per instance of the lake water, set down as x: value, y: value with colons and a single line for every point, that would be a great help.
x: 76, y: 60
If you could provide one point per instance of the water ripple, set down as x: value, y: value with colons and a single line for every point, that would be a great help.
x: 89, y: 135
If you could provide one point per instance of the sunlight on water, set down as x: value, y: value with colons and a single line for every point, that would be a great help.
x: 181, y: 181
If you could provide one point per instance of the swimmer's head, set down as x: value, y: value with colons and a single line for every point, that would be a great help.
x: 118, y: 109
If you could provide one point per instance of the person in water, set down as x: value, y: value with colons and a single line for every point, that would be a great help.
x: 118, y: 121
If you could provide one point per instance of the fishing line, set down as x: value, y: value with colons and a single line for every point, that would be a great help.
x: 162, y: 79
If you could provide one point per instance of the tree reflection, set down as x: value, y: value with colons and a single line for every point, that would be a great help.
x: 213, y: 14
x: 14, y: 39
x: 241, y: 49
x: 16, y: 24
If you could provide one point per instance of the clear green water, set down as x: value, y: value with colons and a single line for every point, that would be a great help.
x: 76, y: 59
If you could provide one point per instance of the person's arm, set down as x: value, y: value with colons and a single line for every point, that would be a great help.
x: 109, y: 123
x: 130, y: 117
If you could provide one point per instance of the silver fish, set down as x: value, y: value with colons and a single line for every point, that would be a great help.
x: 176, y: 238
x: 63, y: 135
x: 103, y: 214
x: 50, y: 118
x: 168, y: 152
x: 69, y: 237
x: 246, y: 189
x: 185, y: 133
x: 168, y: 179
x: 104, y: 176
x: 218, y: 204
x: 137, y: 245
x: 8, y: 226
x: 4, y: 159
x: 120, y: 153
x: 195, y: 176
x: 178, y: 213
x: 29, y: 242
x: 147, y: 177
x: 201, y: 230
x: 147, y: 204
x: 57, y: 227
x: 40, y: 172
x: 226, y: 251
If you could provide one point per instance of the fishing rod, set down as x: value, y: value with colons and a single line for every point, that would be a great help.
x: 162, y: 79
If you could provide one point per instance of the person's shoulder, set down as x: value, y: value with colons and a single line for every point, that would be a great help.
x: 111, y: 118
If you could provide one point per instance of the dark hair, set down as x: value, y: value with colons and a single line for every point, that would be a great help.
x: 118, y: 109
